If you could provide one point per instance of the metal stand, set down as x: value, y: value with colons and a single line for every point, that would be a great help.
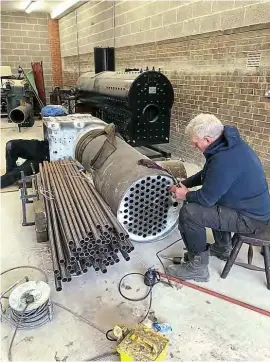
x: 28, y: 198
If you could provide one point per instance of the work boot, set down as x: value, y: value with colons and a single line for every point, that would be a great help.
x: 221, y: 252
x: 195, y: 269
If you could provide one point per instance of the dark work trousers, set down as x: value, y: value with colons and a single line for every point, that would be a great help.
x: 33, y: 151
x: 194, y: 218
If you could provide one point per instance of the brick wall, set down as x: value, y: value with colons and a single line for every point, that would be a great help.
x: 208, y: 69
x: 55, y: 52
x: 123, y: 23
x: 209, y: 75
x: 25, y: 39
x: 75, y: 65
x: 86, y: 27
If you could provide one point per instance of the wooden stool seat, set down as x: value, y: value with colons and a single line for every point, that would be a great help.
x: 262, y: 240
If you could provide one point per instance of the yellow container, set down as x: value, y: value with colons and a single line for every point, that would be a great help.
x: 143, y: 344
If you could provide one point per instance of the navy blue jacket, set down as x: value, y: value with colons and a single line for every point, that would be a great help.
x: 233, y: 177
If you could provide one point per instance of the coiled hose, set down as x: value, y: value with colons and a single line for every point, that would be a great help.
x: 36, y: 317
x: 30, y: 319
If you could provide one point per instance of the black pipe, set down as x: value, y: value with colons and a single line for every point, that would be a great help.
x: 102, y: 267
x: 66, y: 247
x: 55, y: 263
x: 69, y: 278
x: 115, y: 258
x: 83, y: 266
x: 63, y: 213
x: 63, y: 273
x: 81, y: 232
x: 74, y: 171
x: 80, y: 205
x: 77, y: 268
x: 58, y: 284
x: 55, y: 228
x: 64, y: 200
x: 125, y: 255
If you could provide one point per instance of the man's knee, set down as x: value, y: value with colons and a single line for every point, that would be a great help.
x: 9, y: 146
x: 188, y: 212
x: 13, y: 145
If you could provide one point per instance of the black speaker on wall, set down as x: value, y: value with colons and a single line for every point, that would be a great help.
x: 104, y: 59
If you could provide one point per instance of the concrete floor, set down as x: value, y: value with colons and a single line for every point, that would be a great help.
x: 204, y: 327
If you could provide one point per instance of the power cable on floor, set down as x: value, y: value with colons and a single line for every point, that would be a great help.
x: 40, y: 314
x: 160, y: 251
x: 150, y: 283
x: 107, y: 334
x: 148, y: 293
x: 14, y: 334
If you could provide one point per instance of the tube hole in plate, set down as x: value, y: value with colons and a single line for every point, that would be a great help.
x: 150, y: 209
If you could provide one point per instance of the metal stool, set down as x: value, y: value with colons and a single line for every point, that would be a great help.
x: 263, y: 240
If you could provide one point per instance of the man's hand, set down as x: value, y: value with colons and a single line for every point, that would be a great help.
x: 180, y: 192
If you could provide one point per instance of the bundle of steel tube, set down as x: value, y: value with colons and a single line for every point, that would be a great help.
x: 83, y: 231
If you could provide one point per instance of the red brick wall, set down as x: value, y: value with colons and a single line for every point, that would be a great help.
x: 75, y: 65
x: 54, y: 43
x: 209, y: 74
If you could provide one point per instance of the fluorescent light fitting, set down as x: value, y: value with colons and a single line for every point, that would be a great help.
x: 26, y: 4
x: 60, y: 9
x: 31, y: 6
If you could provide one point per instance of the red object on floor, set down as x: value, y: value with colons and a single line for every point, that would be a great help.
x: 216, y: 294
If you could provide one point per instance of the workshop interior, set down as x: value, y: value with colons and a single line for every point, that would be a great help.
x: 99, y: 148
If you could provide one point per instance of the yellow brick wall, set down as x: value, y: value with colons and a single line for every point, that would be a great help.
x: 124, y: 23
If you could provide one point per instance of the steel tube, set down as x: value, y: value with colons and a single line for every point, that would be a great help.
x: 140, y: 193
x: 58, y: 284
x: 114, y: 174
x: 83, y: 266
x: 77, y: 268
x: 95, y: 265
x: 95, y: 225
x: 82, y: 209
x: 125, y: 255
x: 20, y: 114
x: 102, y: 267
x: 63, y: 273
x: 99, y: 211
x: 76, y: 196
x: 69, y: 278
x: 117, y: 226
x: 75, y: 201
x: 91, y: 203
x: 64, y: 217
x: 73, y: 210
x: 66, y: 247
x: 81, y: 198
x: 115, y: 258
x: 55, y: 264
x: 63, y: 202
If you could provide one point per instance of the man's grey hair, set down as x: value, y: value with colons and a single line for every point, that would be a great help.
x: 205, y: 125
